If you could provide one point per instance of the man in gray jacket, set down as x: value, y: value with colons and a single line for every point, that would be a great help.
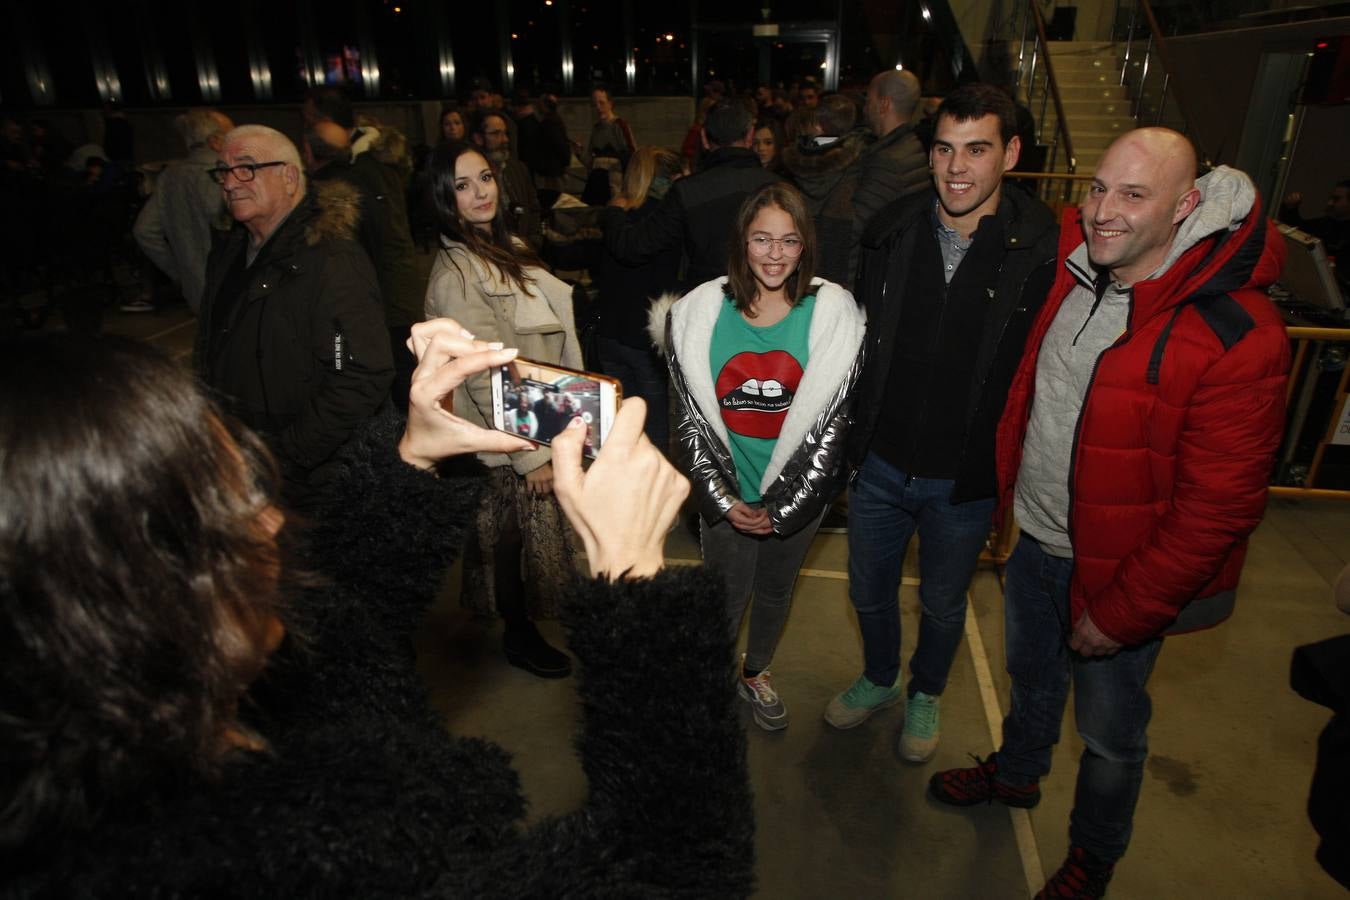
x: 174, y: 227
x: 896, y: 165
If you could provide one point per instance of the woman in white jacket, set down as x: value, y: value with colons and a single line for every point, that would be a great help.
x: 763, y: 361
x: 491, y: 283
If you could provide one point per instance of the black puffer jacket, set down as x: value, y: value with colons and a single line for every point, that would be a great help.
x: 303, y: 355
x: 364, y: 794
x: 828, y: 177
x: 1017, y: 287
x: 894, y: 167
x: 699, y: 214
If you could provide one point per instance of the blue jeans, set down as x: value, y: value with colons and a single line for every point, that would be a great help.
x: 885, y: 508
x: 1111, y: 703
x: 642, y: 374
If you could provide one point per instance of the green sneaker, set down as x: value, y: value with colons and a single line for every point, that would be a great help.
x: 863, y: 698
x: 919, y: 740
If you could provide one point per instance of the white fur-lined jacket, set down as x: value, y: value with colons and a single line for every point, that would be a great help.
x: 806, y: 466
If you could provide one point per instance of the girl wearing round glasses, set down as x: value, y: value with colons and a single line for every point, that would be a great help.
x: 490, y: 281
x: 763, y: 361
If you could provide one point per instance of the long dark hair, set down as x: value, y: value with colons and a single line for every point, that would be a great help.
x: 741, y: 283
x: 134, y: 575
x: 499, y: 249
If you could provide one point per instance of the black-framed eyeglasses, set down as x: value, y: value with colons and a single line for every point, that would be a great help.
x: 241, y: 172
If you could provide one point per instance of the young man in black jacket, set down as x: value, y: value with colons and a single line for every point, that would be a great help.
x: 952, y: 279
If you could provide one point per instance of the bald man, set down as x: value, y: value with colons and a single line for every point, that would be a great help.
x: 1157, y: 368
x: 896, y: 166
x: 291, y: 334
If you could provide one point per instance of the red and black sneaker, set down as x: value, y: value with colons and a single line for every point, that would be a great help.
x: 1082, y: 877
x: 977, y: 784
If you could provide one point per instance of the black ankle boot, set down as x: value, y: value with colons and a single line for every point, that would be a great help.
x: 526, y: 649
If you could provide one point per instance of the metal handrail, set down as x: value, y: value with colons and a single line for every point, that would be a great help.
x: 1155, y: 42
x: 1040, y: 49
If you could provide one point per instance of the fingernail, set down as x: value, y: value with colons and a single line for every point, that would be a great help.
x: 495, y: 345
x: 577, y: 422
x: 466, y: 333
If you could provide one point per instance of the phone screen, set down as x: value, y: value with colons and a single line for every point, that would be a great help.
x: 536, y: 401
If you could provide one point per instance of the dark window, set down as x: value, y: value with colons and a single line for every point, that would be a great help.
x: 473, y: 40
x: 661, y: 34
x: 403, y: 35
x: 170, y: 30
x: 598, y: 45
x: 229, y: 48
x: 339, y: 50
x: 277, y: 29
x: 536, y: 43
x: 66, y: 45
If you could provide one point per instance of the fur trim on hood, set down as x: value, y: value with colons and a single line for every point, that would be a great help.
x: 656, y: 320
x: 338, y: 212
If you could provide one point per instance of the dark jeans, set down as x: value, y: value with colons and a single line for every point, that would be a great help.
x: 885, y: 508
x: 759, y: 572
x: 1111, y: 703
x: 642, y: 374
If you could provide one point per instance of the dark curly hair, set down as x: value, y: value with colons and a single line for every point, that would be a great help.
x: 136, y: 579
x: 498, y: 249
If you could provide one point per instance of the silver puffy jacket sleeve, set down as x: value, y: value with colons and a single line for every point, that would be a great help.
x: 711, y: 470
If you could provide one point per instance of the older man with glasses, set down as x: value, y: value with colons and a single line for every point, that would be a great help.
x: 291, y: 334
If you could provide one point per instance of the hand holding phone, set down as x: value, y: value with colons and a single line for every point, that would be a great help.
x: 626, y: 503
x: 446, y: 356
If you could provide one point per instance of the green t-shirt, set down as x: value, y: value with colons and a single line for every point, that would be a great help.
x: 756, y: 371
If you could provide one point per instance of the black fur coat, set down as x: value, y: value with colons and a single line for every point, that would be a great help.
x: 363, y: 793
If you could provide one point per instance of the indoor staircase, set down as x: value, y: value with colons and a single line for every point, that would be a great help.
x: 1096, y: 106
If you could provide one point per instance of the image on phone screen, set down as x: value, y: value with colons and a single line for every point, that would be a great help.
x: 536, y: 401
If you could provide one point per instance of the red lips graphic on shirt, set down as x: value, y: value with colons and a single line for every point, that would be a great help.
x: 755, y: 391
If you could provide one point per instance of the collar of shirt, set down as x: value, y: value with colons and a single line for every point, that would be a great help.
x: 950, y: 242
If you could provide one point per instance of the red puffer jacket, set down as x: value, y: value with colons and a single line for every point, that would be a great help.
x: 1178, y: 431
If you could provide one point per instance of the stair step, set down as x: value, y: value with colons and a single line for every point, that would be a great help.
x: 1092, y: 122
x: 1087, y: 78
x: 1081, y: 46
x: 1091, y: 92
x: 1076, y: 63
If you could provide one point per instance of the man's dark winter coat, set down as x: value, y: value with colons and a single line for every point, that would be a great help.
x: 1016, y: 289
x: 300, y: 352
x: 828, y: 178
x: 699, y: 212
x: 893, y: 168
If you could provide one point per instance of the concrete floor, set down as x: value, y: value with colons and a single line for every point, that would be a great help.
x: 839, y: 815
x: 1222, y: 812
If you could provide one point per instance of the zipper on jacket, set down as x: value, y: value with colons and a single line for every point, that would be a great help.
x: 1078, y: 426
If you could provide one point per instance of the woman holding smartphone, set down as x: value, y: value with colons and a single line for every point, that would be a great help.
x: 491, y: 282
x: 763, y: 361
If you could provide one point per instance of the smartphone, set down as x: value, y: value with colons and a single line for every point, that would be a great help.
x: 536, y: 401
